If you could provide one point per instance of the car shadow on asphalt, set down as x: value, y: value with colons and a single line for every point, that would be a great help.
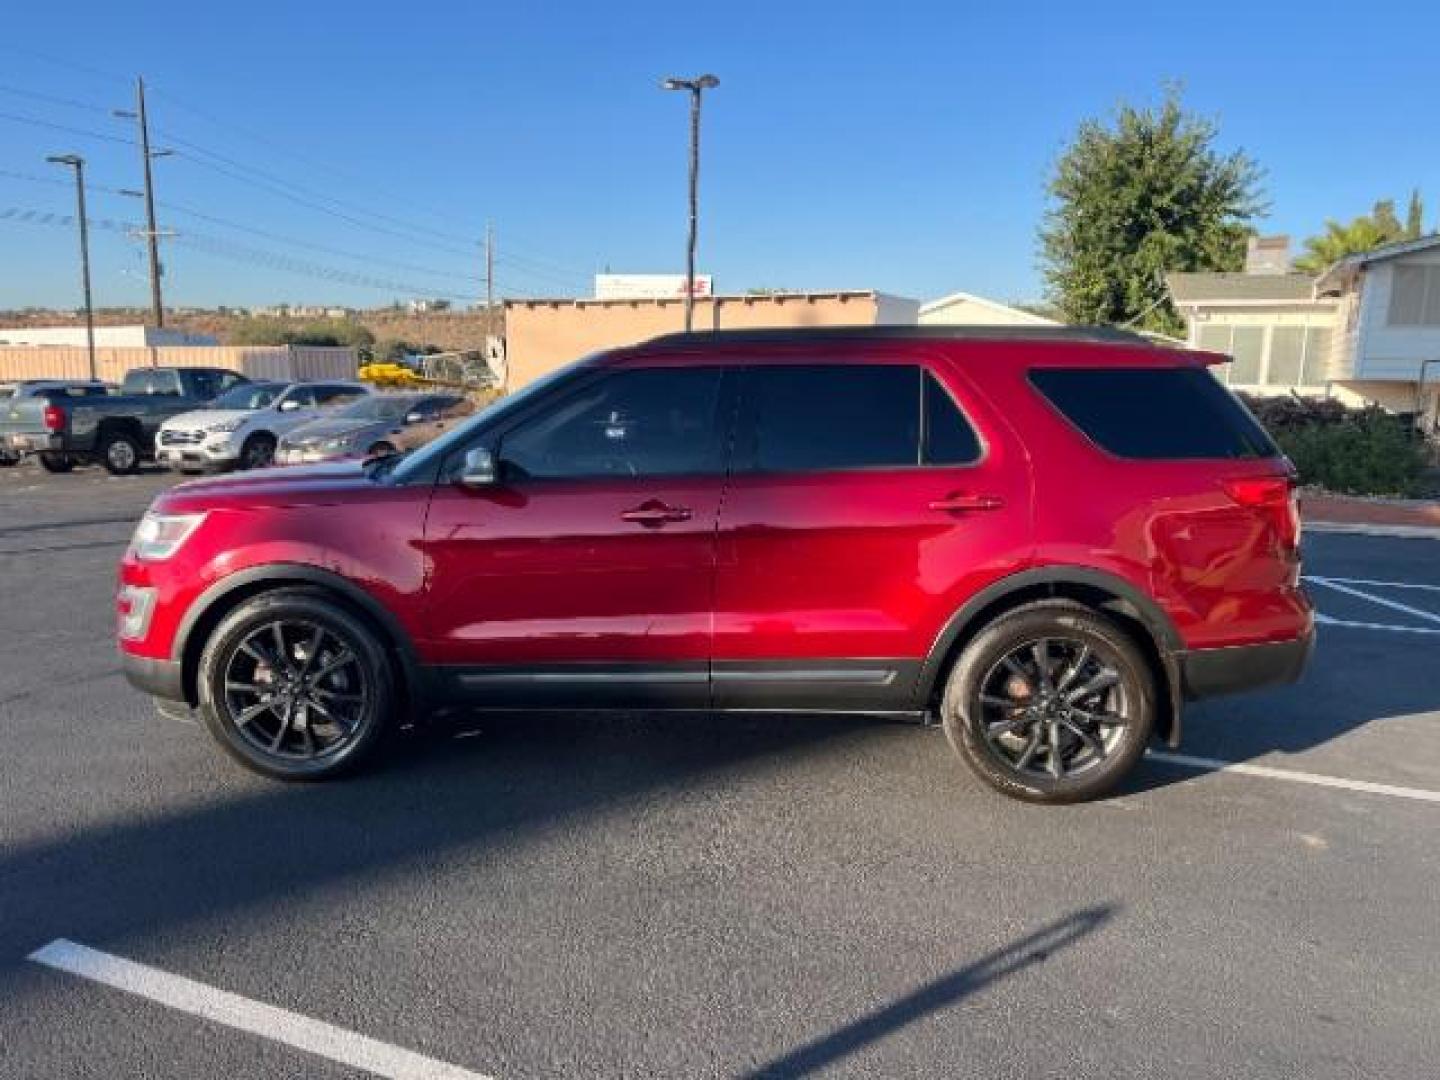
x: 120, y: 883
x: 1356, y: 679
x: 936, y: 996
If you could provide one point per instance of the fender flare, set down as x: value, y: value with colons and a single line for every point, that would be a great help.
x: 280, y: 575
x: 1163, y: 634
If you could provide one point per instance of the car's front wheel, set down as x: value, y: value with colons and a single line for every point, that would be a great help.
x: 1052, y: 703
x: 258, y: 451
x: 295, y: 686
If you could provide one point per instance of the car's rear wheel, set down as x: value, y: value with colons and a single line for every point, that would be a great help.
x: 56, y: 463
x: 258, y: 451
x: 295, y: 686
x: 1052, y: 703
x: 119, y: 453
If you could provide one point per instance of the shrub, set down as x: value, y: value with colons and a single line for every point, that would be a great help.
x: 1353, y: 451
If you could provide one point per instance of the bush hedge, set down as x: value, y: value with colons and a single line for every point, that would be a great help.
x: 1352, y: 451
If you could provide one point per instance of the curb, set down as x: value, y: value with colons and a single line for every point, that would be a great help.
x: 1409, y: 532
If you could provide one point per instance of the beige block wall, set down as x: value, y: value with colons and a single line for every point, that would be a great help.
x: 542, y: 335
x: 257, y: 361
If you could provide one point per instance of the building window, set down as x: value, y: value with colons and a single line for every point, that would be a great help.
x: 1317, y: 357
x: 1287, y: 356
x: 1247, y: 346
x: 1414, y: 296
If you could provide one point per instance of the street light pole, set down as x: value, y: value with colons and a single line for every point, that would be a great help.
x: 696, y: 87
x: 76, y: 162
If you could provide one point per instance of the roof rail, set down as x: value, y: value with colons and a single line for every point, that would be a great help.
x: 782, y: 335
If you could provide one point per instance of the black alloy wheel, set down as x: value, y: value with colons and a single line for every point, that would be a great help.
x: 1052, y: 702
x: 258, y: 451
x: 295, y: 686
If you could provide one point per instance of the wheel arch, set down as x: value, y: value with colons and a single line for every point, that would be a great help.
x: 229, y: 592
x: 1096, y: 589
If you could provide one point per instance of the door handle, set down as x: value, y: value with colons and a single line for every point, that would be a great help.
x: 962, y: 502
x: 656, y: 514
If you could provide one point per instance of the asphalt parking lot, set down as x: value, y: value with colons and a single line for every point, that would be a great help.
x: 786, y: 896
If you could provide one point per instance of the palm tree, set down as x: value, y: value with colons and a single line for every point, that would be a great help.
x: 1365, y: 233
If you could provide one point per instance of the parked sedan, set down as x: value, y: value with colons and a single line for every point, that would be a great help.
x: 243, y: 428
x: 382, y: 424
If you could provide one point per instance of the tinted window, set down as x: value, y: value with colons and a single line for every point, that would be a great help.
x: 1155, y: 412
x: 833, y: 417
x: 206, y: 384
x: 632, y: 423
x: 949, y: 438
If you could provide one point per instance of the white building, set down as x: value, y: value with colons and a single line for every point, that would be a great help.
x: 115, y: 337
x: 967, y: 309
x: 1361, y: 331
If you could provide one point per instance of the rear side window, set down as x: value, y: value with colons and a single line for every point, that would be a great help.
x: 1154, y: 413
x: 830, y: 417
x: 949, y: 438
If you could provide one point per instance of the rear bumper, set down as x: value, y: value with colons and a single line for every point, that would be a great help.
x: 158, y: 678
x: 1212, y: 672
x: 19, y: 445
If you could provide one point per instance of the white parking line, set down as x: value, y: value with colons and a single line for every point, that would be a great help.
x: 1294, y: 776
x: 1393, y: 605
x: 1381, y: 584
x: 1329, y: 620
x: 243, y: 1014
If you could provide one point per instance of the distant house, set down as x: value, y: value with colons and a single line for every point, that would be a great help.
x: 1268, y: 318
x: 1387, y: 344
x: 967, y: 309
x: 105, y: 336
x: 1360, y: 331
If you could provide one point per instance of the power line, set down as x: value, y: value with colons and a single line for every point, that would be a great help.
x: 53, y: 100
x: 35, y: 122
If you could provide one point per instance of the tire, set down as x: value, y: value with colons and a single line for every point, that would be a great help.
x: 1004, y: 718
x: 288, y: 735
x: 56, y: 463
x: 119, y: 453
x: 380, y: 448
x: 258, y: 451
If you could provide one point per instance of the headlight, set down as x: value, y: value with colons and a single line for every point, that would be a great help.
x: 225, y: 427
x: 158, y: 536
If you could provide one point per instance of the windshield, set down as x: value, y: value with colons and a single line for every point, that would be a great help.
x: 423, y: 461
x: 248, y: 396
x: 377, y: 407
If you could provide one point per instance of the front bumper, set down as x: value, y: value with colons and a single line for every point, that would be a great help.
x: 1212, y: 672
x: 197, y: 456
x: 158, y: 678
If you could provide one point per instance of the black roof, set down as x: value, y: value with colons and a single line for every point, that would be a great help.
x: 781, y: 335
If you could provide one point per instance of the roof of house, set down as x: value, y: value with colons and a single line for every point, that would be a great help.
x: 954, y: 298
x: 1336, y: 274
x: 1213, y: 288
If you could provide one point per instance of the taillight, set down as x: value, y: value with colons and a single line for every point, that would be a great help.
x: 1275, y: 494
x: 54, y: 418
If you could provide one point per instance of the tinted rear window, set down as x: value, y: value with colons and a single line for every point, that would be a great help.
x: 1155, y: 413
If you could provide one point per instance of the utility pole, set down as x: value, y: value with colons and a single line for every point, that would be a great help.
x: 489, y: 279
x: 76, y: 162
x: 152, y: 234
x: 696, y: 87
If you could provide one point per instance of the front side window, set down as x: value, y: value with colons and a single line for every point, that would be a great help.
x: 655, y: 422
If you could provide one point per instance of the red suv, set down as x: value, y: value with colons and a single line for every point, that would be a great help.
x: 1045, y: 541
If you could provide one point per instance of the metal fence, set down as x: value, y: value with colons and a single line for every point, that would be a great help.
x: 256, y: 361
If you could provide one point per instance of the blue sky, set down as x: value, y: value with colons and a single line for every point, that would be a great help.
x: 895, y: 146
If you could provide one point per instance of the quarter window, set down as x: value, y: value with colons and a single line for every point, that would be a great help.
x: 949, y: 438
x: 653, y: 422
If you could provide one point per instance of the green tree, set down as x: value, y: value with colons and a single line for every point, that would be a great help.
x: 1415, y: 217
x: 1364, y: 233
x: 1144, y: 194
x: 282, y: 332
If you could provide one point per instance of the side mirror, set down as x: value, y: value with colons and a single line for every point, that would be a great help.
x: 289, y: 405
x: 414, y: 417
x: 480, y: 469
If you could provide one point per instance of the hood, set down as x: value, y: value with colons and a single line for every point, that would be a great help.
x: 317, y: 430
x: 203, y: 419
x: 302, y: 485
